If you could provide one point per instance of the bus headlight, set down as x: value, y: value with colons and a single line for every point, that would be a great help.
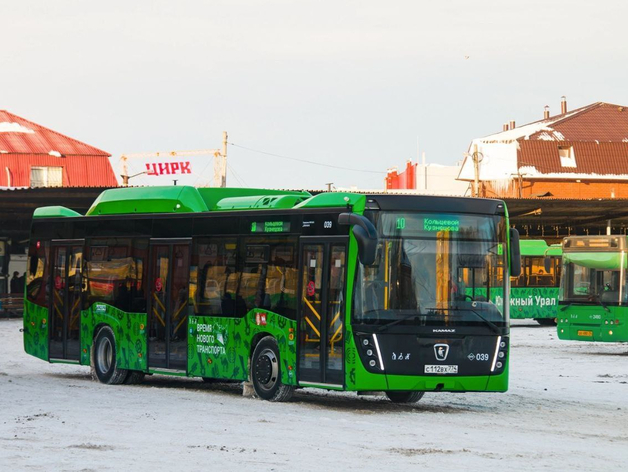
x: 501, y: 349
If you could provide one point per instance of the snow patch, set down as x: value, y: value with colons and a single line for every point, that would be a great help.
x: 7, y: 127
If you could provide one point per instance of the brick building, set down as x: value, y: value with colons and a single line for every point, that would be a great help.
x: 578, y: 154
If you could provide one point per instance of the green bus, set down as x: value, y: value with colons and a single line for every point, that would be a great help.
x: 593, y: 295
x: 534, y: 294
x: 339, y: 291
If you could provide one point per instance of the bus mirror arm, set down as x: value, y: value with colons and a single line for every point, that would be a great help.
x: 365, y: 234
x: 515, y: 253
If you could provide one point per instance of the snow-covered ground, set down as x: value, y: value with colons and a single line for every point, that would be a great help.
x: 567, y: 409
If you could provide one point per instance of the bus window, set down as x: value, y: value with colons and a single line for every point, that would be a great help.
x: 214, y: 275
x: 536, y: 274
x: 37, y: 290
x: 109, y: 274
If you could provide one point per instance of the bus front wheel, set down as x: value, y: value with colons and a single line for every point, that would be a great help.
x: 404, y: 397
x: 266, y: 372
x: 104, y: 358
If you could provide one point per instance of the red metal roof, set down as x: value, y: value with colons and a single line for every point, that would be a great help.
x: 596, y: 122
x: 591, y: 158
x: 25, y: 145
x: 597, y: 133
x: 20, y: 136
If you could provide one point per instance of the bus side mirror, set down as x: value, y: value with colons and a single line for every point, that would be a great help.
x: 547, y: 263
x: 515, y: 253
x: 365, y: 234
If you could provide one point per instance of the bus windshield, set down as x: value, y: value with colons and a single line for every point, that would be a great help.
x: 435, y: 269
x: 594, y: 278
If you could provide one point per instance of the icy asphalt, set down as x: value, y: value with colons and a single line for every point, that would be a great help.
x: 567, y: 409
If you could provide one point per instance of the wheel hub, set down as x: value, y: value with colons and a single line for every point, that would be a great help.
x: 266, y: 369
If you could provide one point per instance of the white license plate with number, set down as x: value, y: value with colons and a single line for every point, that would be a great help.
x: 441, y: 369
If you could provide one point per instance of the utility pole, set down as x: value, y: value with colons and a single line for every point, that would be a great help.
x: 220, y: 164
x: 329, y: 184
x: 476, y: 170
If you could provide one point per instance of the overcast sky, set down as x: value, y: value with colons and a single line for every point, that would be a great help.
x: 353, y: 84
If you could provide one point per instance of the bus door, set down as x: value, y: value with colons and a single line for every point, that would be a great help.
x: 65, y: 287
x: 321, y: 314
x: 169, y: 272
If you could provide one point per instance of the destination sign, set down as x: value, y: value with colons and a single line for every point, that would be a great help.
x: 414, y: 224
x: 270, y: 227
x: 441, y: 224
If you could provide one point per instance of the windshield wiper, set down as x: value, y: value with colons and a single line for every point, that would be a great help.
x: 416, y: 314
x: 491, y: 325
x: 599, y: 300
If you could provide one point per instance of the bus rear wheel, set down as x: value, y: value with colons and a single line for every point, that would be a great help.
x: 404, y: 397
x: 266, y: 372
x: 104, y: 358
x: 546, y: 321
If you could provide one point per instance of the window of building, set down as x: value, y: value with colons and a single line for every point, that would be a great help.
x: 567, y: 156
x: 46, y: 176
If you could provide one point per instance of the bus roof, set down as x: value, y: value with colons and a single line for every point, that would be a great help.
x: 186, y: 199
x: 538, y: 247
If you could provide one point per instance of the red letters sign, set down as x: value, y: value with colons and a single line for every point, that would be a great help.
x: 311, y: 289
x: 168, y: 168
x: 158, y: 284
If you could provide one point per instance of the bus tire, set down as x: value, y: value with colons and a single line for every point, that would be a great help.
x: 266, y: 372
x: 397, y: 396
x: 134, y: 377
x: 546, y: 321
x: 104, y: 357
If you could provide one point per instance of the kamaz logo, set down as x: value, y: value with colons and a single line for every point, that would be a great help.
x: 441, y: 351
x: 443, y: 330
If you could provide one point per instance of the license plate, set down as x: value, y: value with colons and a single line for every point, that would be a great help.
x: 585, y: 333
x: 441, y: 369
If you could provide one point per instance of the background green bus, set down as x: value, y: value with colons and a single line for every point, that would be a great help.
x: 284, y: 289
x: 534, y: 294
x: 594, y: 289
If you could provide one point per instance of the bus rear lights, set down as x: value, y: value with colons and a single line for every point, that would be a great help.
x: 610, y: 332
x: 289, y: 367
x: 606, y: 322
x: 209, y: 361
